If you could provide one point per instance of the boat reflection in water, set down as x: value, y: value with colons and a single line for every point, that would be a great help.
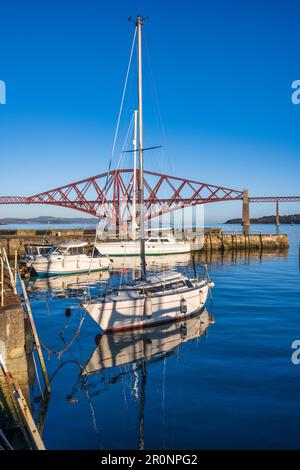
x: 71, y: 286
x: 140, y: 348
x: 115, y: 350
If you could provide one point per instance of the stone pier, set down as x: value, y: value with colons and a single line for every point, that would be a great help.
x: 214, y: 239
x: 16, y: 349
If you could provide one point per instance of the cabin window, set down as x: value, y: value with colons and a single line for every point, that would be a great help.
x: 44, y: 250
x: 74, y: 251
x: 152, y: 240
x: 165, y: 240
x: 173, y: 285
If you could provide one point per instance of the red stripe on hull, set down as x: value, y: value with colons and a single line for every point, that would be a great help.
x: 141, y: 326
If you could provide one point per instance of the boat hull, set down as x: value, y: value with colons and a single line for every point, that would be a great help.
x: 133, y: 249
x: 48, y: 267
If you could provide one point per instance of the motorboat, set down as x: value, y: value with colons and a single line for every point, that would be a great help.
x: 154, y: 246
x: 34, y: 251
x: 68, y: 258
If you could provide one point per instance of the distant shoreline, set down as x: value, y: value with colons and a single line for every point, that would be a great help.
x: 269, y: 219
x: 48, y: 221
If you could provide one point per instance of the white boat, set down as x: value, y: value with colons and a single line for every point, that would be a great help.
x: 68, y: 258
x: 156, y: 298
x: 154, y: 246
x: 162, y: 298
x: 34, y: 251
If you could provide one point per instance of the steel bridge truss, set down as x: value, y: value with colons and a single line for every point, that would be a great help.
x: 111, y: 194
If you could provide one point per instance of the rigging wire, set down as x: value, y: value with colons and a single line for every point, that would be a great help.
x: 122, y: 102
x: 156, y: 99
x: 116, y: 130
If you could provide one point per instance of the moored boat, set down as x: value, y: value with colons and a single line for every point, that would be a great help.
x: 68, y: 258
x: 154, y: 246
x: 163, y: 298
x: 154, y: 298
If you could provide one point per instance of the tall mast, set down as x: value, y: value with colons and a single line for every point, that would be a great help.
x: 133, y: 223
x: 139, y: 24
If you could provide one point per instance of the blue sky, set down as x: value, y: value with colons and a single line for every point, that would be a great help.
x: 222, y: 71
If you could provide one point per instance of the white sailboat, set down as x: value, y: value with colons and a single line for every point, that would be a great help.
x: 156, y: 298
x: 154, y: 246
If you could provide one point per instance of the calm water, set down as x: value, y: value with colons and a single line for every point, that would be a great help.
x: 225, y: 385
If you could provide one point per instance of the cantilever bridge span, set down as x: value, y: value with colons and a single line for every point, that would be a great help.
x: 111, y: 194
x: 113, y: 191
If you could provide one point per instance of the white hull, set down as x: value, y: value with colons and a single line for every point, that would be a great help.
x: 132, y: 248
x: 68, y: 265
x: 116, y: 314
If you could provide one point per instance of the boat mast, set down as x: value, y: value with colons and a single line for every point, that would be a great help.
x: 133, y: 223
x: 139, y: 23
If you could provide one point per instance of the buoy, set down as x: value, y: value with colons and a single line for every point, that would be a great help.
x: 183, y: 331
x: 211, y: 318
x: 148, y: 307
x: 201, y: 297
x: 68, y: 312
x: 183, y: 305
x: 211, y: 284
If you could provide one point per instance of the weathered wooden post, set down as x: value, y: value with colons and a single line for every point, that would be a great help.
x: 246, y: 212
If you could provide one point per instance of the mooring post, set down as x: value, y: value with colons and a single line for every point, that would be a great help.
x: 246, y: 212
x: 277, y: 214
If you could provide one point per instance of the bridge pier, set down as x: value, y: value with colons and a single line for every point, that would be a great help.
x: 277, y: 214
x: 246, y: 211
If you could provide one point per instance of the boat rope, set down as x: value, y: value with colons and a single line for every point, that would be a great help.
x: 119, y: 164
x: 121, y: 105
x: 65, y: 349
x: 125, y: 141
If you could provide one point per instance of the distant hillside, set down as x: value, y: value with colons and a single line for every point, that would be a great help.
x: 270, y: 219
x: 50, y: 220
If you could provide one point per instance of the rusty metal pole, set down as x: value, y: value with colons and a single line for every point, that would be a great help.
x: 246, y: 211
x: 277, y: 214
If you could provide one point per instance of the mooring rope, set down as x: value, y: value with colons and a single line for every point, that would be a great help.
x: 65, y: 349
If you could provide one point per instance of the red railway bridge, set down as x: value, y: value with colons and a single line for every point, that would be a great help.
x: 111, y: 194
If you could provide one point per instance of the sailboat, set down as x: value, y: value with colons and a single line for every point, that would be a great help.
x: 154, y: 298
x: 158, y: 242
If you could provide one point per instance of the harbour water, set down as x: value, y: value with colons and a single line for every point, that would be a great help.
x: 230, y: 384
